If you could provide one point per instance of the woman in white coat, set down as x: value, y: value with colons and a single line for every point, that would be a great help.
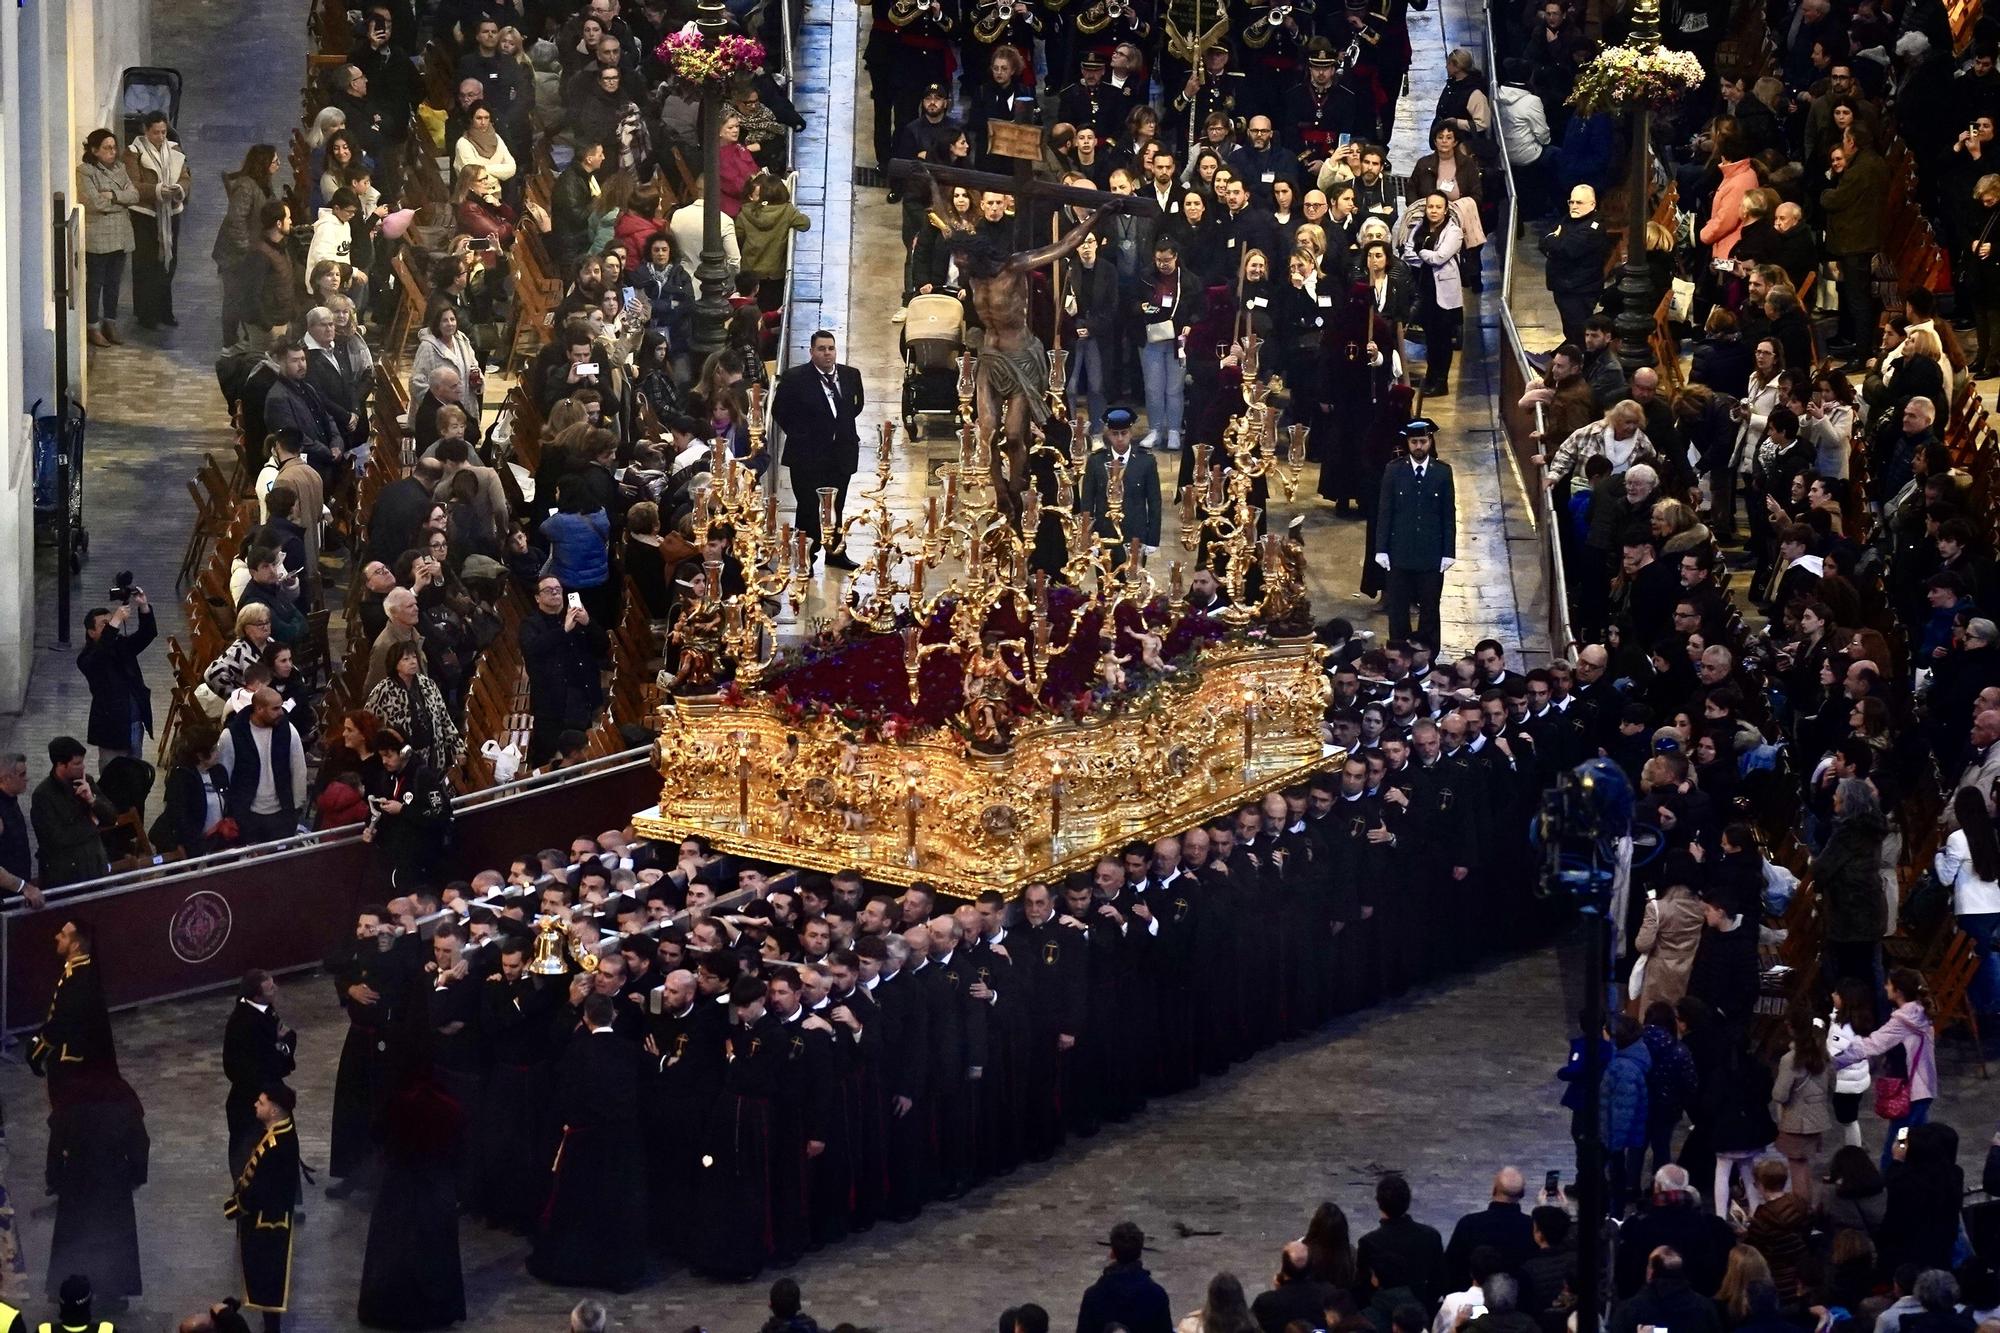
x: 442, y: 344
x: 1432, y: 240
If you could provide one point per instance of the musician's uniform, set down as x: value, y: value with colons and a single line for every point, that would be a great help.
x: 1384, y: 61
x: 1223, y: 93
x: 1313, y: 120
x: 1271, y: 41
x: 1098, y: 105
x: 267, y: 1192
x: 909, y: 49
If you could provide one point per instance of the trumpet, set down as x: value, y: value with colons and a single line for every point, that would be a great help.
x: 1107, y: 12
x: 995, y: 19
x: 1265, y: 25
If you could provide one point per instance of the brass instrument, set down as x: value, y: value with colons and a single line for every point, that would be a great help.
x: 994, y: 19
x: 1103, y: 13
x: 905, y: 12
x: 1259, y: 32
x: 555, y: 949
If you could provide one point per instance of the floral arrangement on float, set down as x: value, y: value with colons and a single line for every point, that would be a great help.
x: 689, y: 54
x: 1626, y: 78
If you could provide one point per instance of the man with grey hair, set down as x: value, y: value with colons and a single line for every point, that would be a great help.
x: 327, y: 370
x: 400, y: 605
x: 1983, y: 768
x: 16, y: 857
x: 1674, y: 1218
x: 445, y: 386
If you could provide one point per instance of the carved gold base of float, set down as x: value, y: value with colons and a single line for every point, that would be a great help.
x: 1242, y: 720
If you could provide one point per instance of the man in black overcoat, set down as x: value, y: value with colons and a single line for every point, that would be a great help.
x: 593, y: 1231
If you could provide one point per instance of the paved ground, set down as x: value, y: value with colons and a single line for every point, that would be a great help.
x: 1444, y: 1085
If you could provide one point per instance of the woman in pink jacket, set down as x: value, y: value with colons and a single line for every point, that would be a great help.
x: 1909, y: 1030
x: 1725, y: 210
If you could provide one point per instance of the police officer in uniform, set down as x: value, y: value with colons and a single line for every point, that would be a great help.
x: 1416, y: 532
x: 262, y: 1206
x: 1093, y: 102
x: 1319, y: 109
x: 72, y: 1311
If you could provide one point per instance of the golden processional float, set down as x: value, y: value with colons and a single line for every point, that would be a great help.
x: 986, y: 709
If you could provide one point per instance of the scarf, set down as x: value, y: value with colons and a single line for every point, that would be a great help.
x: 487, y: 142
x: 166, y: 163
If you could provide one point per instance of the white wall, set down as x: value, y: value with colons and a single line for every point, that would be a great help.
x: 60, y: 64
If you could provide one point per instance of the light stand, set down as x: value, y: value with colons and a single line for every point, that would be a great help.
x: 1584, y: 829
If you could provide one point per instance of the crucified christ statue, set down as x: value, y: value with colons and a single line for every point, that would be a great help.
x: 1012, y: 381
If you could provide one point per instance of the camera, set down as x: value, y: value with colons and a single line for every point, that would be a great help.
x: 122, y: 587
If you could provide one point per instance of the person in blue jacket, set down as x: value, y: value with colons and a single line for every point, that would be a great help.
x: 1622, y: 1109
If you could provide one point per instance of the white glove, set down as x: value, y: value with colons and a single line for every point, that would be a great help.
x: 1445, y: 564
x: 1152, y: 551
x: 1382, y: 559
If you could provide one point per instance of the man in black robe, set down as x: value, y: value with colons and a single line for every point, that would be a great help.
x: 983, y: 932
x: 961, y: 1045
x: 267, y: 1192
x: 514, y: 1011
x: 257, y: 1051
x: 906, y: 1069
x: 371, y: 978
x: 76, y: 1035
x: 684, y: 1049
x: 733, y: 1241
x: 593, y: 1231
x: 97, y: 1157
x: 1051, y: 958
x: 803, y: 1116
x: 451, y: 1029
x: 857, y: 1041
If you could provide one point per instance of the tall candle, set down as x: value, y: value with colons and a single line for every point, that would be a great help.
x: 1174, y: 577
x: 713, y: 568
x: 1055, y: 797
x: 770, y: 516
x: 1249, y: 724
x: 916, y: 578
x: 1189, y: 514
x: 910, y: 635
x: 1031, y: 512
x: 826, y: 516
x: 801, y: 551
x: 930, y: 517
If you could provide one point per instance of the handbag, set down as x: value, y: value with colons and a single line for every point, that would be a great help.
x: 1637, y: 984
x: 1892, y: 1088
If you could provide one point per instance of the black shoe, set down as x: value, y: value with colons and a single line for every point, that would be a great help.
x: 839, y: 560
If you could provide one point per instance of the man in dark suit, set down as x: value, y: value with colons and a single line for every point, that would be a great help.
x: 258, y: 1050
x: 1416, y: 532
x: 1401, y: 1245
x: 817, y: 405
x: 1141, y: 517
x: 1501, y: 1224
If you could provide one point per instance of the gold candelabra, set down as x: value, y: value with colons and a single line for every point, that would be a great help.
x: 776, y: 561
x: 1216, y: 508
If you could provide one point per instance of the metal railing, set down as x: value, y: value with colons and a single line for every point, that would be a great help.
x: 106, y: 886
x: 1515, y: 375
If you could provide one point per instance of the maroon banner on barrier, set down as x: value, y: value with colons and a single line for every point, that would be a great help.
x: 193, y: 931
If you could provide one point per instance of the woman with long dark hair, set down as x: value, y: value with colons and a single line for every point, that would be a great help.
x: 248, y: 189
x: 1853, y: 1014
x: 1802, y: 1095
x: 1329, y: 1247
x: 1969, y: 865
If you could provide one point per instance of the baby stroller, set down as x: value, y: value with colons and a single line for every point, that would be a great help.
x: 144, y: 89
x: 933, y: 337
